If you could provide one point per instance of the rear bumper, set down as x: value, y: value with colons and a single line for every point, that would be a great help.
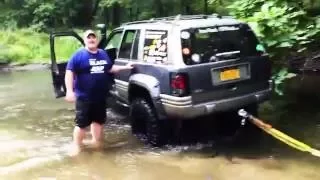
x: 182, y: 107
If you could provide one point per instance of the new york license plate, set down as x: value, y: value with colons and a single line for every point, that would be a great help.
x: 230, y: 74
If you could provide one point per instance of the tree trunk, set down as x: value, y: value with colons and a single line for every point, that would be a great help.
x: 159, y: 7
x: 130, y: 14
x: 205, y: 6
x: 86, y: 13
x: 116, y: 14
x: 187, y: 7
x: 106, y: 16
x: 95, y: 7
x: 188, y: 10
x: 137, y: 14
x: 182, y: 7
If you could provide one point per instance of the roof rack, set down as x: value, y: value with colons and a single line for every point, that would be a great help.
x: 175, y: 18
x: 188, y: 17
x: 138, y: 22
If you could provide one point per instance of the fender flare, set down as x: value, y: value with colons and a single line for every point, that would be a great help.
x: 150, y: 83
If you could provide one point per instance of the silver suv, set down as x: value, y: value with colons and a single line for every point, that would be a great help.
x: 186, y: 67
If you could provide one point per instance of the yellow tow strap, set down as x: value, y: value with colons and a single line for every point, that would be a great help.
x: 279, y: 135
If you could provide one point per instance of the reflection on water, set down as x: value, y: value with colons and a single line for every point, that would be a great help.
x: 35, y: 132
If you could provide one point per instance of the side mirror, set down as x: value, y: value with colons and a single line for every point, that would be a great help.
x: 101, y: 26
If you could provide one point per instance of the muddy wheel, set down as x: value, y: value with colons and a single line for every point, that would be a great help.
x: 144, y: 120
x: 137, y: 119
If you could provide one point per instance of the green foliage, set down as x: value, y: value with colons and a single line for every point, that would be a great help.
x: 25, y: 46
x: 38, y: 14
x: 42, y: 13
x: 279, y: 78
x: 283, y: 26
x: 109, y: 3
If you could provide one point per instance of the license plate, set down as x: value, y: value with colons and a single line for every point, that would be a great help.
x: 230, y: 74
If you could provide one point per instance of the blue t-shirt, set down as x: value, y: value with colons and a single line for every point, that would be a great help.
x: 92, y: 75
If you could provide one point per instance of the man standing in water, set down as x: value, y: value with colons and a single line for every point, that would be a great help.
x: 87, y: 80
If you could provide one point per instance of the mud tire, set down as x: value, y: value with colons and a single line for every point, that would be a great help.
x: 145, y: 120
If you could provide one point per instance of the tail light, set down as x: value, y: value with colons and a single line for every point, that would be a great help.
x: 179, y: 84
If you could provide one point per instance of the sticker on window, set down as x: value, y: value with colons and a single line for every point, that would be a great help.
x: 155, y: 47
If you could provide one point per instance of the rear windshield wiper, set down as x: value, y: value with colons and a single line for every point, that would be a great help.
x: 230, y: 54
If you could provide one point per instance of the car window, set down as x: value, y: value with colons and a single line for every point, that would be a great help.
x: 210, y: 44
x: 129, y: 45
x: 155, y: 46
x: 114, y: 41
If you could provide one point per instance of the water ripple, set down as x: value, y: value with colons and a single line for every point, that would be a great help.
x: 14, y: 108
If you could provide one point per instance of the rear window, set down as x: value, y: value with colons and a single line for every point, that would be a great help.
x: 210, y: 44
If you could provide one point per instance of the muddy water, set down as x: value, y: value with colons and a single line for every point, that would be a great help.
x: 35, y: 132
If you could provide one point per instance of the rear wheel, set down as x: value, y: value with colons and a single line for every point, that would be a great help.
x: 144, y: 120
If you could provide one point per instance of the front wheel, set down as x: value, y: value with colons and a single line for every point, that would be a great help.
x: 145, y: 120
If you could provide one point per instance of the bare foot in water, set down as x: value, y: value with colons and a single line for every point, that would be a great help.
x: 74, y: 150
x: 95, y: 145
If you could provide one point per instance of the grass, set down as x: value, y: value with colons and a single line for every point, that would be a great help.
x: 24, y: 46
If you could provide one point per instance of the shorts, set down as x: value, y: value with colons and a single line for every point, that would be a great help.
x: 88, y: 112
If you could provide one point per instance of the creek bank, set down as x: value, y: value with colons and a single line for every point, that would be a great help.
x: 23, y: 67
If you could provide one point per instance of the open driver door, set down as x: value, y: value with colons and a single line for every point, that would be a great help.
x: 58, y: 67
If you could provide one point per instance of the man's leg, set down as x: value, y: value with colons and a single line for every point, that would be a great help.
x: 97, y: 134
x: 78, y: 136
x: 81, y: 122
x: 99, y: 118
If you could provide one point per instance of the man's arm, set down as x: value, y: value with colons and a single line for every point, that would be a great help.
x: 69, y: 80
x: 69, y: 76
x: 117, y: 68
